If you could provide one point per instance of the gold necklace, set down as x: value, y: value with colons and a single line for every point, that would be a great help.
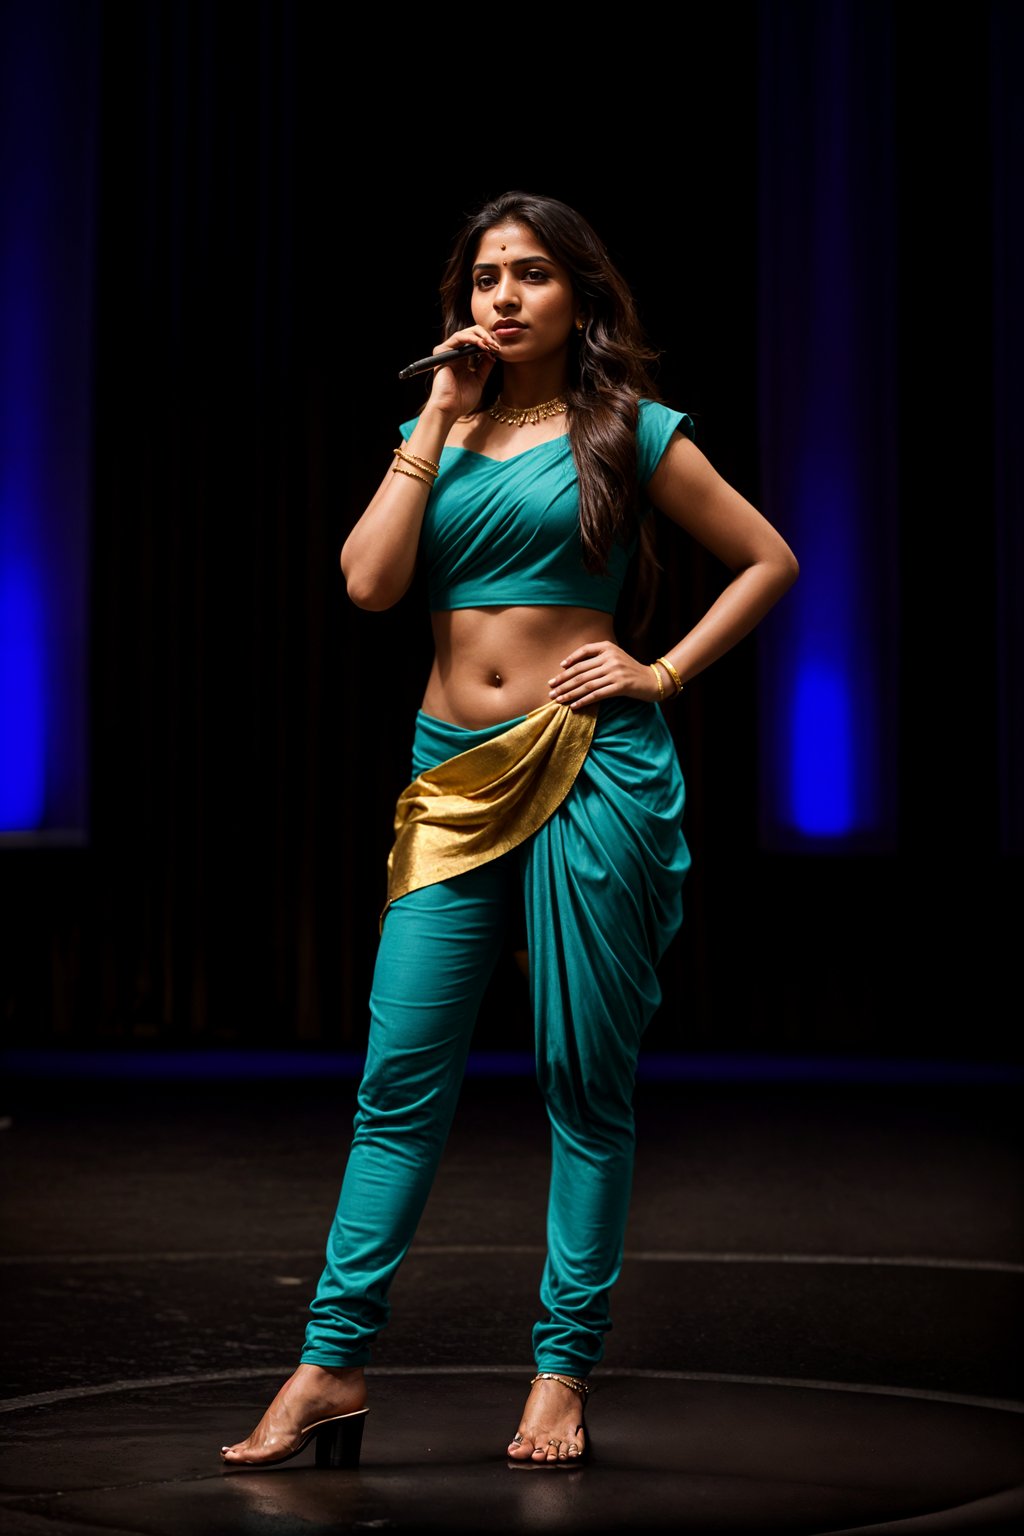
x: 518, y: 416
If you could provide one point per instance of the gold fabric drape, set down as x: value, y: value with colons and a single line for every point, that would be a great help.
x: 479, y: 804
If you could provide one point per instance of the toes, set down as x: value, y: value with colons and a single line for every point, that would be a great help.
x: 543, y: 1450
x: 234, y: 1452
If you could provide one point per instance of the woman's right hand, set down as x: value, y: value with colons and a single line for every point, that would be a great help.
x: 458, y: 387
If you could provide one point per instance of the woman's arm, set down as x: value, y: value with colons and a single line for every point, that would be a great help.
x: 378, y: 559
x: 686, y: 488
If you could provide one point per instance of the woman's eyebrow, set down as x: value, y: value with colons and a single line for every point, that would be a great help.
x: 517, y: 261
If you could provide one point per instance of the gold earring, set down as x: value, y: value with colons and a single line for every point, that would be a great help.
x: 579, y: 324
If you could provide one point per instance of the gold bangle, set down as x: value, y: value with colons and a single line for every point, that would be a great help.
x: 414, y: 458
x: 398, y: 469
x: 673, y: 674
x: 661, y: 685
x: 416, y: 463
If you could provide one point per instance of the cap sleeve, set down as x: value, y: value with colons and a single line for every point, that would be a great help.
x: 406, y: 428
x: 655, y: 426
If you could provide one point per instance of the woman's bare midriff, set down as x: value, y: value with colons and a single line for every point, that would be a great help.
x: 492, y: 664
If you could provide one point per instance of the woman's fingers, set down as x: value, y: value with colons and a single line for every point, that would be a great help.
x: 584, y: 661
x: 474, y: 333
x: 459, y: 385
x: 600, y: 670
x: 580, y: 669
x: 592, y: 648
x: 602, y: 659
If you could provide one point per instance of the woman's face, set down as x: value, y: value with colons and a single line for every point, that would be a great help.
x: 522, y: 294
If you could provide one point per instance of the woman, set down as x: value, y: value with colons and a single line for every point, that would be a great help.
x: 544, y: 777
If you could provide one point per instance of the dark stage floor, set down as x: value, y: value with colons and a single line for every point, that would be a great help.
x: 817, y: 1328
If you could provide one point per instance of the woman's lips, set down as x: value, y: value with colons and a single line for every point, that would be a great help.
x: 509, y: 330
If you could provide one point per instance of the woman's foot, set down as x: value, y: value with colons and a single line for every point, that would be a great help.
x: 551, y: 1428
x: 311, y: 1393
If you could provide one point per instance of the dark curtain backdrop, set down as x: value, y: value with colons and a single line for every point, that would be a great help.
x: 269, y: 244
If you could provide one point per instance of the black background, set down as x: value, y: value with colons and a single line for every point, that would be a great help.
x: 276, y: 199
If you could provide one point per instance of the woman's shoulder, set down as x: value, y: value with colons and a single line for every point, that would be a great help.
x: 655, y: 416
x: 656, y: 424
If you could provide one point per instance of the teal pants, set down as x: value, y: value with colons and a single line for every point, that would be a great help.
x: 601, y: 886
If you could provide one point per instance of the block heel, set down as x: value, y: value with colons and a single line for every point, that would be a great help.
x: 339, y: 1441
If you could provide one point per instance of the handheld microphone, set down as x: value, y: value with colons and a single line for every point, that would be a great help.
x: 437, y: 359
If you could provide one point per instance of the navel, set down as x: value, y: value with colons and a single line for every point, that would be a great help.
x: 496, y: 679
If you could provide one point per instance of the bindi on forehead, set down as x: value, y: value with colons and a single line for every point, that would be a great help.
x: 503, y: 241
x: 531, y: 259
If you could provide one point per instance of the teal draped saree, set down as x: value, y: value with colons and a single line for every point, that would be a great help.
x: 577, y: 819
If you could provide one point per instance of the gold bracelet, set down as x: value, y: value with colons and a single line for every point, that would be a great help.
x: 673, y: 674
x: 414, y: 458
x: 397, y: 469
x: 416, y: 463
x: 661, y: 685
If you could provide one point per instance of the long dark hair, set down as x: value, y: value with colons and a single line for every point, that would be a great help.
x: 609, y: 370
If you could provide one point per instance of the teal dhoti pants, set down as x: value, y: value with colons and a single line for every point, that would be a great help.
x: 601, y: 886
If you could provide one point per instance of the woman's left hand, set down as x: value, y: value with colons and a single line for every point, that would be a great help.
x: 601, y: 670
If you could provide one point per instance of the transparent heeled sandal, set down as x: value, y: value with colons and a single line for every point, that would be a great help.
x: 338, y: 1443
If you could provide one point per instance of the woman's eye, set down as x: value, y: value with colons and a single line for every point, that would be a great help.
x: 537, y: 272
x: 483, y: 281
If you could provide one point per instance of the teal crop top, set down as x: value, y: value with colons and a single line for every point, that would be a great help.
x: 506, y: 531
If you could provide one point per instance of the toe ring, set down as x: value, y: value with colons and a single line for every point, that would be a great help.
x: 517, y: 1439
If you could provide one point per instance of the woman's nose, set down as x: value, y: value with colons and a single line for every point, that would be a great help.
x: 505, y: 294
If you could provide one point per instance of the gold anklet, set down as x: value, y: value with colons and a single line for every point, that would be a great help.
x: 582, y: 1387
